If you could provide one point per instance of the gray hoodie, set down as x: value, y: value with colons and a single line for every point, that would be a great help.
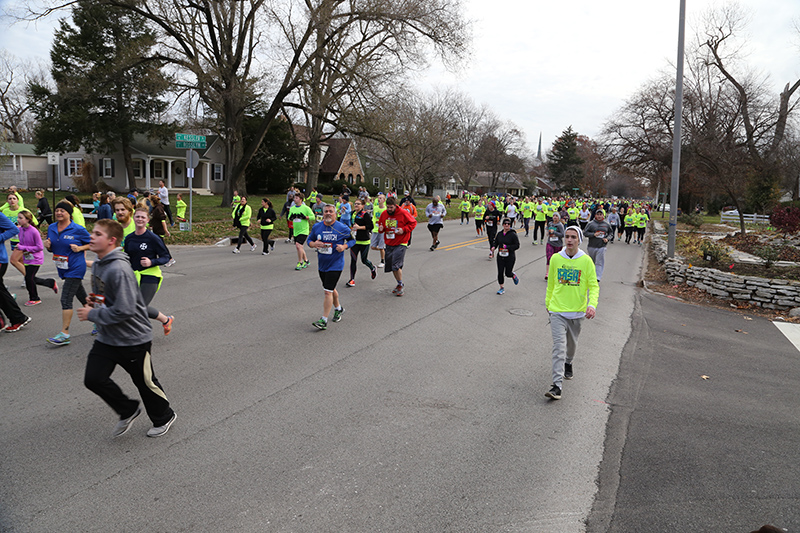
x: 593, y: 227
x: 122, y: 320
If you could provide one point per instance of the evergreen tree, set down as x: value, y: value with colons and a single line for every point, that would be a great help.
x: 274, y: 166
x: 564, y: 163
x: 107, y: 90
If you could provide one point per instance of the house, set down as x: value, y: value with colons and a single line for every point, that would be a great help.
x: 152, y: 161
x: 22, y: 167
x: 506, y: 183
x: 338, y: 158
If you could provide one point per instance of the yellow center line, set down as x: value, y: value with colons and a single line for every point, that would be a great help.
x: 462, y: 244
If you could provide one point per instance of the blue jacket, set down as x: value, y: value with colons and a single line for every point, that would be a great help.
x: 104, y: 211
x: 7, y: 230
x: 60, y: 245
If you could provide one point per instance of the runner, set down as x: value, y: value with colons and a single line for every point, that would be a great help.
x: 614, y: 222
x: 491, y: 219
x: 630, y: 221
x: 396, y: 224
x: 435, y: 212
x: 540, y: 220
x: 266, y: 217
x: 478, y: 211
x: 30, y: 244
x: 362, y: 223
x: 300, y: 215
x: 511, y: 211
x: 43, y: 208
x: 330, y: 238
x: 640, y: 221
x: 584, y: 215
x: 147, y: 252
x: 465, y: 207
x: 599, y: 232
x: 16, y: 318
x: 12, y: 209
x: 555, y: 240
x: 376, y: 241
x: 68, y: 241
x: 124, y: 336
x: 412, y: 210
x: 572, y: 294
x: 506, y: 243
x: 163, y: 197
x: 180, y: 205
x: 241, y: 219
x: 124, y: 211
x: 526, y: 210
x: 104, y: 210
x: 77, y: 213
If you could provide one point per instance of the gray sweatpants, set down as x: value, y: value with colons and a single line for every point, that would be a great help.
x: 565, y: 339
x: 598, y: 255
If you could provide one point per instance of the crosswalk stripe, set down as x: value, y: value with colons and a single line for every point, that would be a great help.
x: 791, y: 331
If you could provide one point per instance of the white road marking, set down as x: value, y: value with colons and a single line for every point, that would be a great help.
x: 791, y: 331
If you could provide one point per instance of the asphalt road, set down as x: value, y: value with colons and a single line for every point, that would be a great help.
x: 420, y: 413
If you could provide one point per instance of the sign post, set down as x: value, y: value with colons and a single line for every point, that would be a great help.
x: 190, y: 142
x: 52, y: 159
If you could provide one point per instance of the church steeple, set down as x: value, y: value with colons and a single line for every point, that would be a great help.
x: 539, y: 153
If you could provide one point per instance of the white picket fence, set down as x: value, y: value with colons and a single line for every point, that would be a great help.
x: 749, y: 219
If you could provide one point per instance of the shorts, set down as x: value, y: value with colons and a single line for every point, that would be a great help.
x: 435, y: 228
x: 300, y: 239
x: 395, y: 256
x: 330, y: 279
x: 377, y: 242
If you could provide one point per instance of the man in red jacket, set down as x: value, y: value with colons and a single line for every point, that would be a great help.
x: 396, y: 225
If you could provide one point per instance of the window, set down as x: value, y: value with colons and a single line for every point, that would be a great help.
x: 388, y: 184
x: 350, y: 178
x: 376, y: 182
x: 107, y: 167
x: 137, y: 169
x: 158, y: 170
x: 218, y: 174
x: 73, y: 166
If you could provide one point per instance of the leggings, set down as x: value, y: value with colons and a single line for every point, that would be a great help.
x: 7, y: 303
x: 72, y: 288
x: 362, y: 249
x: 505, y: 265
x: 539, y: 224
x: 478, y: 224
x: 491, y: 231
x: 628, y: 233
x: 640, y: 234
x: 266, y: 240
x: 149, y: 290
x: 243, y: 235
x: 31, y: 281
x: 465, y: 214
x: 526, y: 223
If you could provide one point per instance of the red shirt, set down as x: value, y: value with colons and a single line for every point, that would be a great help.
x: 399, y: 219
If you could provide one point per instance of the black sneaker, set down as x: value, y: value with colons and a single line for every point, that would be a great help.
x: 567, y: 371
x: 554, y: 393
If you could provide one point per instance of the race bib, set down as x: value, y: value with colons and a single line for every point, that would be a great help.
x: 602, y: 235
x: 390, y: 234
x: 553, y: 239
x: 490, y: 222
x: 503, y: 253
x: 328, y: 250
x: 27, y: 256
x: 61, y: 262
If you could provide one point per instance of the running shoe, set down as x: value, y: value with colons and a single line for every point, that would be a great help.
x: 170, y: 263
x: 31, y: 303
x: 381, y: 264
x: 236, y: 250
x: 252, y: 247
x: 288, y: 240
x: 94, y: 330
x: 59, y: 340
x: 55, y: 287
x: 436, y: 245
x: 3, y: 325
x: 568, y: 371
x: 501, y: 290
x: 350, y: 283
x: 305, y: 264
x: 265, y: 253
x: 491, y: 255
x: 554, y: 393
x: 125, y: 424
x: 400, y: 290
x: 433, y: 248
x: 515, y: 278
x: 337, y: 314
x: 16, y: 327
x: 272, y: 247
x: 299, y: 266
x: 161, y: 430
x: 168, y: 325
x: 373, y: 272
x: 320, y: 324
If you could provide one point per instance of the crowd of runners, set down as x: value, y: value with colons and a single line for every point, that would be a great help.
x: 137, y: 225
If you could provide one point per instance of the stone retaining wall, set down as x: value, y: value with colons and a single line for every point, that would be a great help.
x: 763, y: 292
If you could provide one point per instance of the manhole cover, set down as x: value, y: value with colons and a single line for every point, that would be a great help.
x: 520, y: 312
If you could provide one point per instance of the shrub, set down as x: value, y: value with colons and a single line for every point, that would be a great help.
x: 768, y: 253
x: 714, y: 252
x: 786, y: 219
x: 695, y: 220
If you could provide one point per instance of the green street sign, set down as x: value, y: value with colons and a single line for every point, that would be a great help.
x: 187, y: 137
x: 190, y: 145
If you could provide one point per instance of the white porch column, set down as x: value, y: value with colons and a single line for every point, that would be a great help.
x: 147, y: 173
x: 208, y: 175
x: 169, y: 174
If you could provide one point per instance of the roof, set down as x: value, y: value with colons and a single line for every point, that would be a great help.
x: 506, y: 180
x: 19, y: 149
x: 335, y: 155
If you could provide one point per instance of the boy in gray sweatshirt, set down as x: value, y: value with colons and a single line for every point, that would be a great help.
x: 598, y: 231
x: 124, y: 335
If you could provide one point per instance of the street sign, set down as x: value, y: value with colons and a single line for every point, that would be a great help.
x: 52, y: 158
x: 192, y: 159
x: 190, y: 138
x: 190, y: 144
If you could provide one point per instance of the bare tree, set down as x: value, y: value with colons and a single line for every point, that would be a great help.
x: 472, y: 125
x: 15, y: 117
x: 499, y: 152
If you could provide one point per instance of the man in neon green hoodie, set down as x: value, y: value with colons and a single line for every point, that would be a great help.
x: 572, y: 294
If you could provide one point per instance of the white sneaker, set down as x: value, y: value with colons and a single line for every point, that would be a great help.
x: 381, y: 264
x: 125, y: 424
x: 253, y: 248
x: 161, y: 430
x: 236, y: 250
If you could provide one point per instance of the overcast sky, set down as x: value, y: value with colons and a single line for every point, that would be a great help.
x: 548, y: 65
